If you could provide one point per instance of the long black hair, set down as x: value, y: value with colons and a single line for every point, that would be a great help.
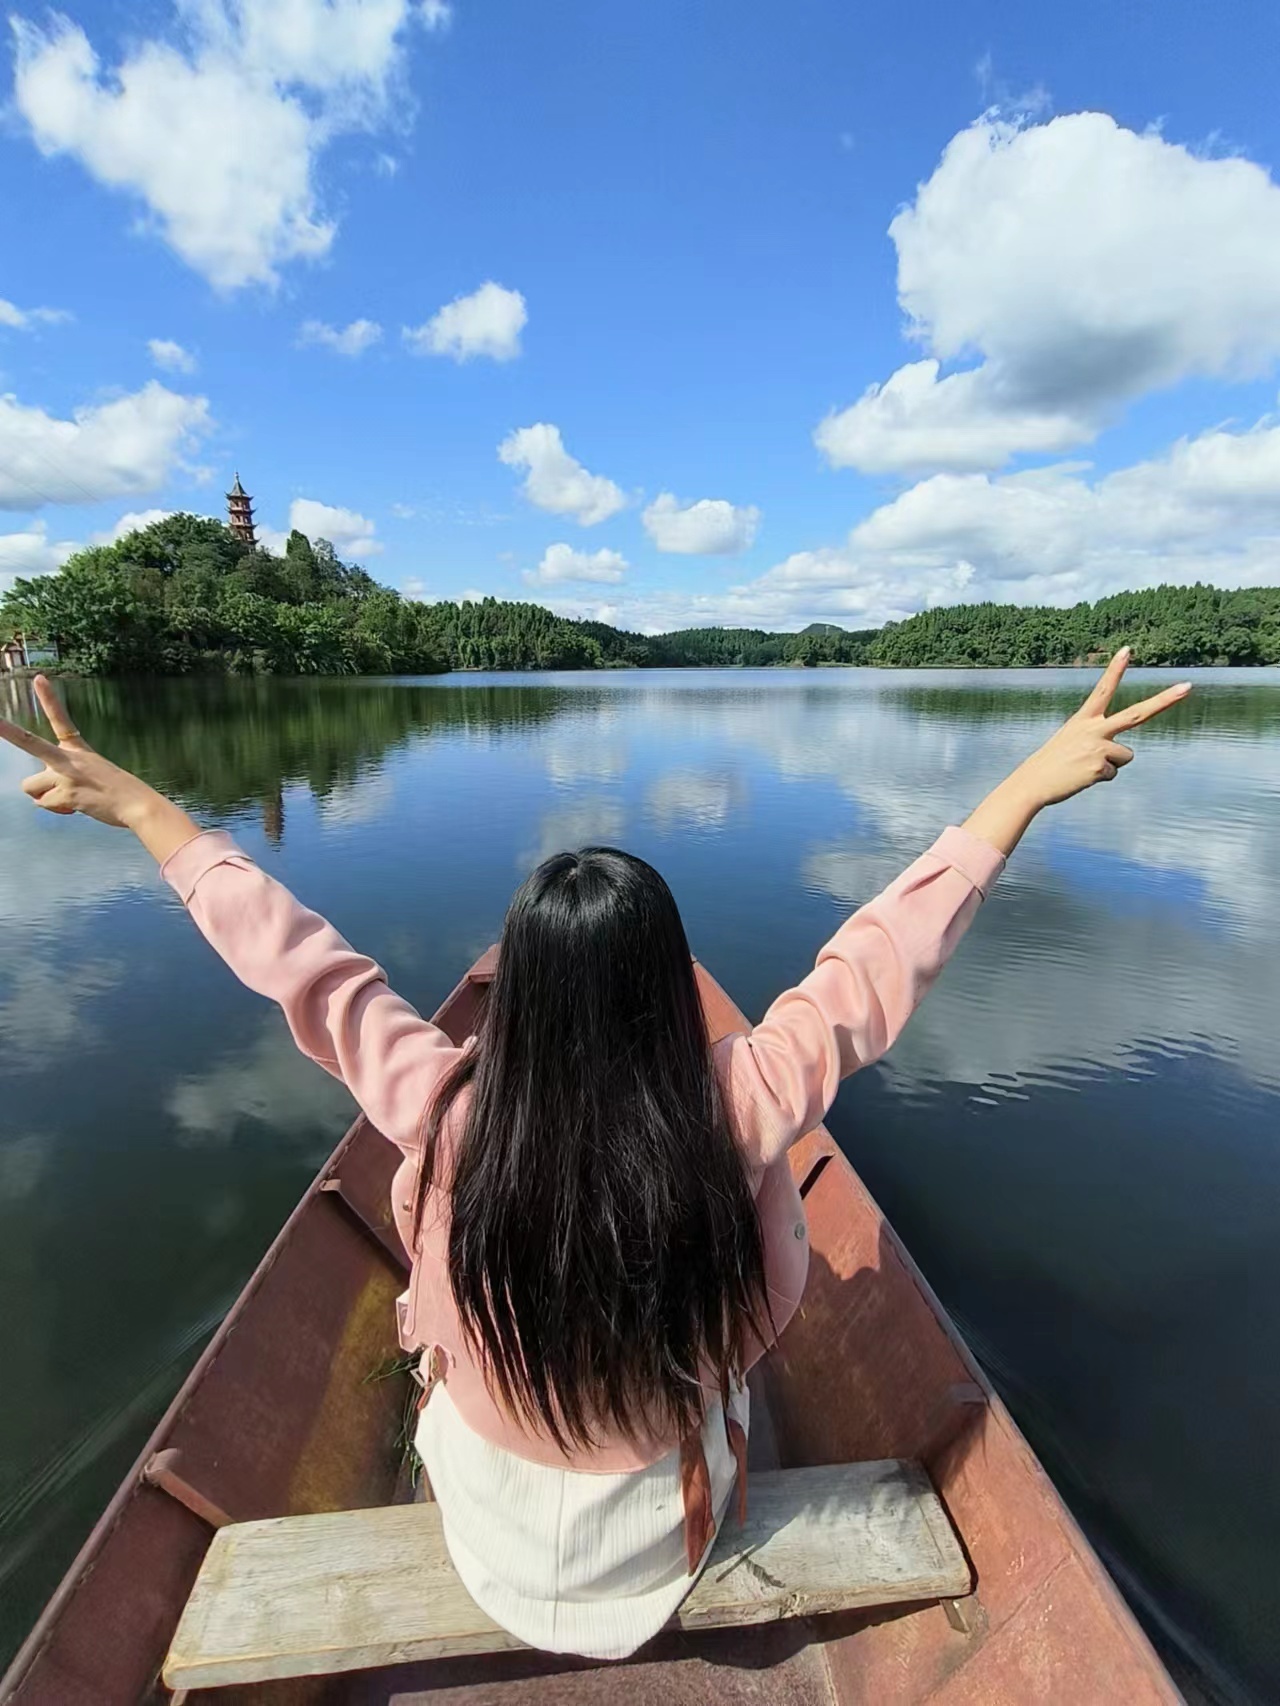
x: 605, y: 1253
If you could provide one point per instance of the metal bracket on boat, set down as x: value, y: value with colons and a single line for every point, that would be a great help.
x: 385, y: 1238
x: 161, y: 1470
x: 950, y: 1416
x: 962, y: 1613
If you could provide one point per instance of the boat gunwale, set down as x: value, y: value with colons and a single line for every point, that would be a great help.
x: 135, y: 1478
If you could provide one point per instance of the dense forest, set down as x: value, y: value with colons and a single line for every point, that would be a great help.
x: 1179, y: 625
x: 183, y: 596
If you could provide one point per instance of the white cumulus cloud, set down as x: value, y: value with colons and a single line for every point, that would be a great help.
x: 712, y: 527
x: 1080, y: 265
x: 1209, y: 509
x: 106, y: 450
x: 354, y: 339
x: 555, y: 481
x: 132, y: 522
x: 563, y: 563
x: 350, y: 533
x: 488, y: 322
x: 585, y: 609
x: 917, y: 420
x: 26, y: 319
x: 171, y: 356
x: 30, y: 553
x: 218, y: 128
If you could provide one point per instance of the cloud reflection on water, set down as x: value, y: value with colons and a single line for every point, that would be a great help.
x: 589, y: 821
x: 268, y: 1082
x: 693, y: 799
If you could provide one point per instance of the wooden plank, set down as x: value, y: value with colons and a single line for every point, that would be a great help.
x: 828, y: 1539
x: 314, y: 1595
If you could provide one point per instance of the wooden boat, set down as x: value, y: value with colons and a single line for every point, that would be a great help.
x: 280, y: 1416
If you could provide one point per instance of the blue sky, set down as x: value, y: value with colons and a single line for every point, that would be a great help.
x: 667, y: 233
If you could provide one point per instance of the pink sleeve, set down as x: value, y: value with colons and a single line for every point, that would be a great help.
x: 339, y: 1008
x: 868, y: 980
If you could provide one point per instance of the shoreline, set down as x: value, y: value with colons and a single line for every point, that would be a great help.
x: 67, y: 672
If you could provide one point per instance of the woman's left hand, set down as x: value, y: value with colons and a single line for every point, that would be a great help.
x: 75, y: 778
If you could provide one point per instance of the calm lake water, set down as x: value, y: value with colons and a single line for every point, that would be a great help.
x: 1077, y: 1137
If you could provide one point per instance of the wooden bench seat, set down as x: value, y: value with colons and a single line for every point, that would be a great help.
x: 314, y: 1595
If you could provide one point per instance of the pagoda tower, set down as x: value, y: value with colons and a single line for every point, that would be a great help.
x: 240, y: 515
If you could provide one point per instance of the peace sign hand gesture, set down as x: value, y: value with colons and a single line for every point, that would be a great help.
x: 75, y: 778
x: 1083, y: 751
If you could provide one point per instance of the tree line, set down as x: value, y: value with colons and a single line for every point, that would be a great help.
x: 1177, y: 625
x: 184, y: 596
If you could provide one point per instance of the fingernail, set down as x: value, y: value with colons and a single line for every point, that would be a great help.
x: 1182, y: 687
x: 1126, y: 651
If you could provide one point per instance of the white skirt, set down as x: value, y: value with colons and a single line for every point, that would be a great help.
x: 568, y: 1562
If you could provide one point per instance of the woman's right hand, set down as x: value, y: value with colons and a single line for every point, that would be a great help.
x: 1083, y: 751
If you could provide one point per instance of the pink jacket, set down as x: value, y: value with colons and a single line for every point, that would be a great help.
x: 779, y: 1080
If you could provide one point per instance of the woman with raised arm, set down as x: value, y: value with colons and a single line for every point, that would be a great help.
x: 602, y: 1224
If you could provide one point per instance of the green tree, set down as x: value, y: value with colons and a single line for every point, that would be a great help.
x: 301, y: 572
